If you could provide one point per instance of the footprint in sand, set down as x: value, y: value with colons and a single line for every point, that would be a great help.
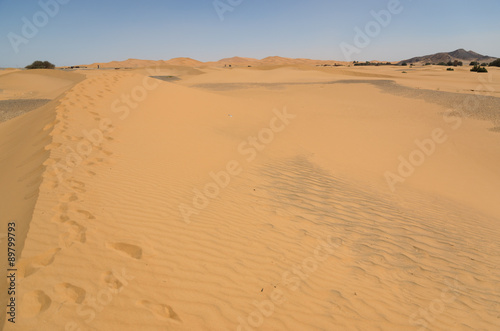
x: 70, y: 197
x: 77, y: 185
x: 85, y: 213
x: 33, y: 264
x: 60, y: 218
x: 111, y: 281
x: 71, y: 138
x: 74, y: 233
x: 53, y: 184
x: 70, y: 293
x: 50, y: 125
x: 105, y: 152
x: 160, y: 311
x: 35, y: 302
x: 52, y: 146
x: 130, y: 250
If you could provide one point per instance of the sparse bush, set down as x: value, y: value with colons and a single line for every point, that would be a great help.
x: 473, y: 63
x: 450, y: 69
x: 404, y: 64
x: 442, y: 64
x: 41, y: 65
x: 484, y: 64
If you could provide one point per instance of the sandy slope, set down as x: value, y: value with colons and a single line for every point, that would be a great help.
x: 300, y: 230
x: 38, y: 83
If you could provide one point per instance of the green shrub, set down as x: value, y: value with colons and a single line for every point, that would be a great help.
x: 450, y: 69
x: 41, y: 65
x: 495, y: 63
x: 473, y: 63
x: 478, y: 68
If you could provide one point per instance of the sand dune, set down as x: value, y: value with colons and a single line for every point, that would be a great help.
x: 252, y: 199
x: 233, y: 61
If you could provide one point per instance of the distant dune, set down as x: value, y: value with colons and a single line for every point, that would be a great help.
x: 459, y: 55
x: 233, y: 61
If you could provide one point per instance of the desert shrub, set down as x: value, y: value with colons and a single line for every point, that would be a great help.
x: 478, y: 68
x: 41, y: 65
x: 495, y: 63
x: 404, y: 64
x: 473, y: 63
x: 450, y: 69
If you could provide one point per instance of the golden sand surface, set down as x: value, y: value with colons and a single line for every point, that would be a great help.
x: 253, y: 198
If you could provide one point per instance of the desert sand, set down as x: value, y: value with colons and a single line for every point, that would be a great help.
x: 278, y: 197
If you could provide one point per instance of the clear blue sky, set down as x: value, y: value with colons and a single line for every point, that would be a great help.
x: 86, y: 31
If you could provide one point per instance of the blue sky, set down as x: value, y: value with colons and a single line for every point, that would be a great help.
x: 86, y: 31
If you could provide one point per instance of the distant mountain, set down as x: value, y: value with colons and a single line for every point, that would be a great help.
x: 459, y: 55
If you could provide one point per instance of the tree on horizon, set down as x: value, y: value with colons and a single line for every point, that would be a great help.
x: 41, y: 65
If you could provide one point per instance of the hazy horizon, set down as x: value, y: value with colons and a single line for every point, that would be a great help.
x: 68, y: 32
